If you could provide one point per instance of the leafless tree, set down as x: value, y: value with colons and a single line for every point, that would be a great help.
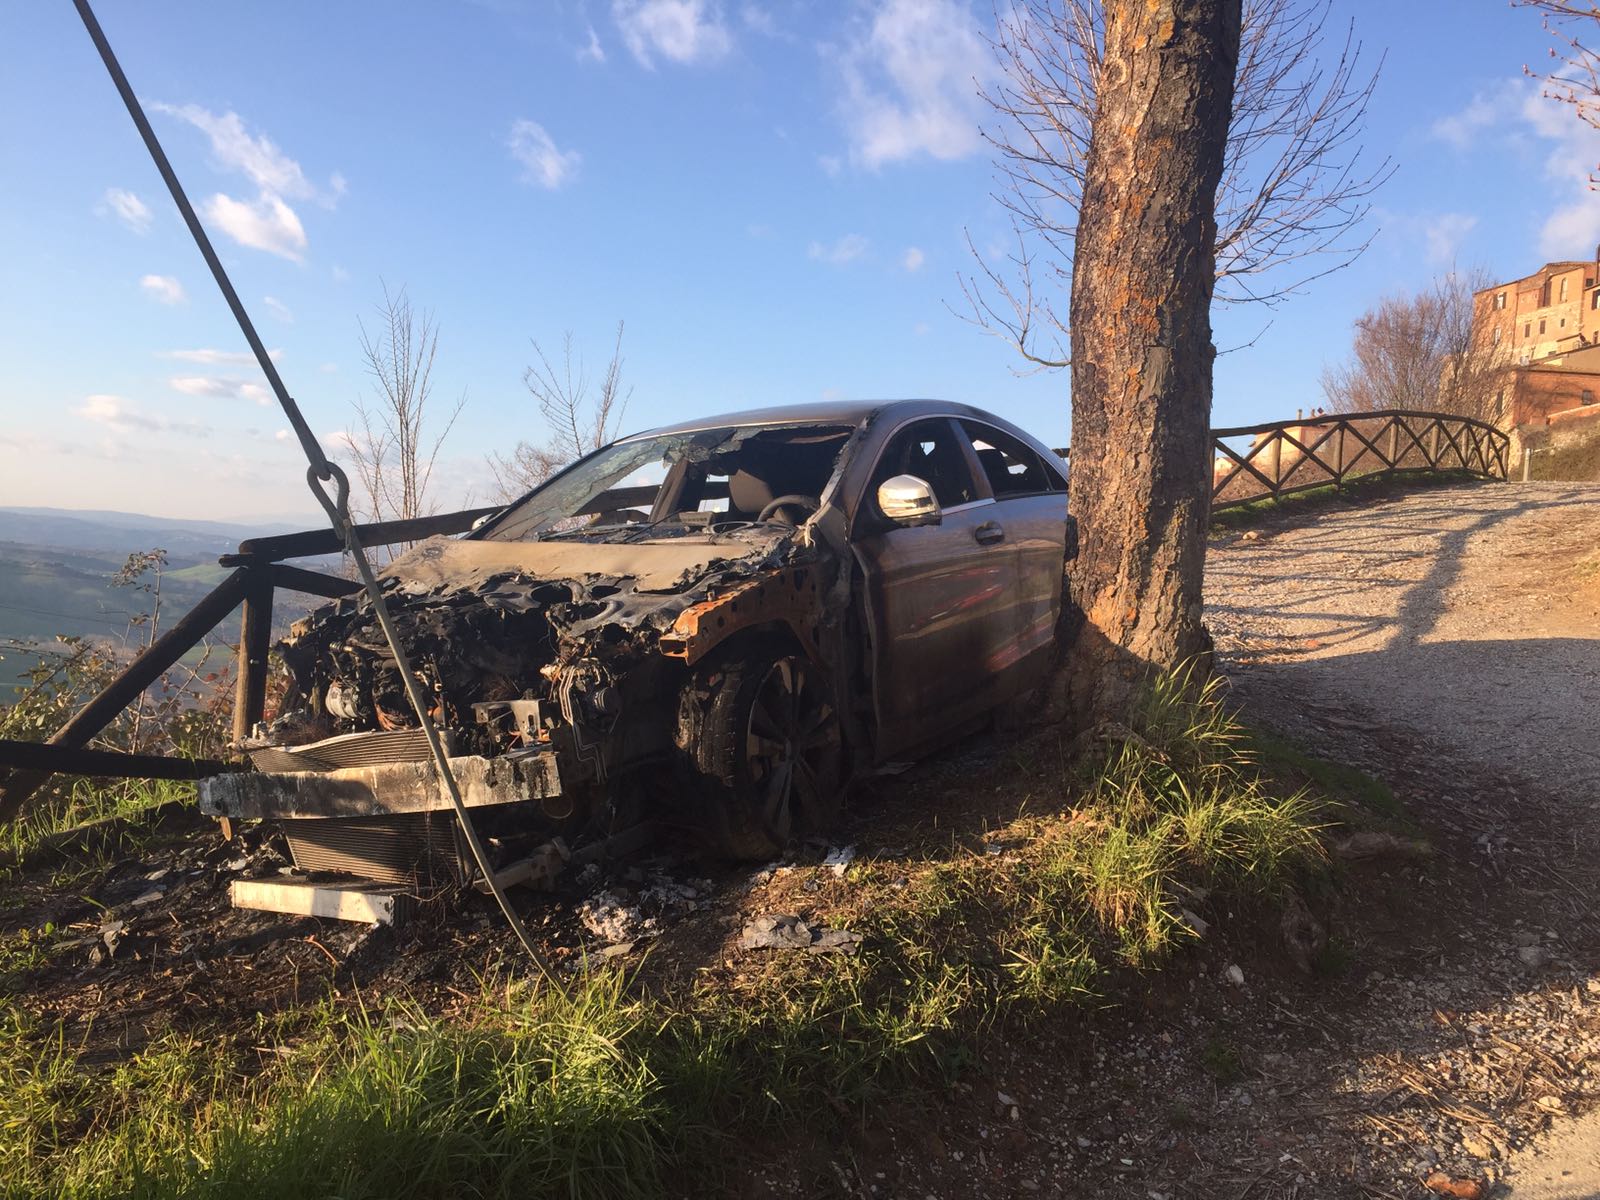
x: 1575, y: 79
x: 581, y: 418
x: 392, y: 442
x: 1422, y: 351
x: 1294, y: 190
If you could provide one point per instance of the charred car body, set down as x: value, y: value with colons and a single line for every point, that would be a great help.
x: 719, y: 621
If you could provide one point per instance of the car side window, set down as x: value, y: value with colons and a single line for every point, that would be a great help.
x: 1010, y: 465
x: 929, y: 450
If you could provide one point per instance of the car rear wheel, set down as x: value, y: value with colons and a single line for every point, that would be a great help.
x: 769, y: 754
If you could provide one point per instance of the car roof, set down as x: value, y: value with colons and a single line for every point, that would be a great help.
x: 830, y: 412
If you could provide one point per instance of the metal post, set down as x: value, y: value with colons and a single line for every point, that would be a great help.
x: 255, y: 637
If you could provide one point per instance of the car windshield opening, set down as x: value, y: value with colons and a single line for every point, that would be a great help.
x: 677, y: 481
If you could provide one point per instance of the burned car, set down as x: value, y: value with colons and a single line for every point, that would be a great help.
x: 716, y: 623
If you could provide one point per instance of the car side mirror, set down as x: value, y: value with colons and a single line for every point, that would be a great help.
x: 907, y: 500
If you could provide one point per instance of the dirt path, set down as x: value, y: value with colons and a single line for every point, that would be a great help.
x: 1469, y: 614
x: 1469, y: 619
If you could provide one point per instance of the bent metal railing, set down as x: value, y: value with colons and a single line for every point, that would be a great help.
x: 1292, y: 456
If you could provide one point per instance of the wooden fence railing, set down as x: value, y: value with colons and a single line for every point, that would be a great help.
x: 258, y: 572
x: 1290, y: 456
x: 1281, y: 457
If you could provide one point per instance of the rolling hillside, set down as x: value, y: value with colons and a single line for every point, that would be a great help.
x: 56, y: 569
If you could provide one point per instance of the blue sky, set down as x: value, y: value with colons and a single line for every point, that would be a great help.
x: 773, y: 195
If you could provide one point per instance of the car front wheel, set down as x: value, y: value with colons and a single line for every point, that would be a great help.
x: 768, y: 753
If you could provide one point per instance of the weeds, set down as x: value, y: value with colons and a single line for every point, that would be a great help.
x: 607, y: 1090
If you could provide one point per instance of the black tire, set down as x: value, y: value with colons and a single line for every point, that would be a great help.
x: 768, y: 755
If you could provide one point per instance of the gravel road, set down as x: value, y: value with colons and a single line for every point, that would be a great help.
x: 1467, y: 619
x: 1469, y: 614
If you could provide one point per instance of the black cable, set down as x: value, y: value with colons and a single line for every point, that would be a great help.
x: 320, y: 471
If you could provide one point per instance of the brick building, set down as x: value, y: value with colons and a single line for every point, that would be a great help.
x: 1544, y: 330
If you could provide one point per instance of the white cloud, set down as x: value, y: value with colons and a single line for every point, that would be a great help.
x: 268, y: 222
x: 847, y: 249
x: 103, y: 409
x: 1512, y: 119
x: 911, y: 82
x: 217, y: 387
x: 257, y: 158
x: 542, y: 163
x: 831, y: 164
x: 759, y: 20
x: 1573, y: 229
x: 1444, y: 234
x: 684, y: 31
x: 117, y: 414
x: 265, y: 224
x: 278, y: 309
x: 913, y: 259
x: 164, y: 288
x: 218, y: 358
x: 1461, y: 129
x: 129, y: 209
x: 592, y: 51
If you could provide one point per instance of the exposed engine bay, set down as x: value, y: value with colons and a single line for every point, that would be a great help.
x: 557, y: 638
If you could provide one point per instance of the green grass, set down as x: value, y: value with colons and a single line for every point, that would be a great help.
x: 73, y: 806
x: 607, y: 1088
x: 1362, y: 488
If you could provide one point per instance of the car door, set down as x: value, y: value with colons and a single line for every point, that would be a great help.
x: 937, y: 595
x: 1030, y: 505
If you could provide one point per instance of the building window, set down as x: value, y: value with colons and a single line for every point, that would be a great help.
x: 1495, y: 339
x: 1541, y: 325
x: 1562, y: 323
x: 1544, y: 293
x: 1499, y: 402
x: 1527, y: 329
x: 1587, y: 397
x: 1500, y: 300
x: 1563, y: 288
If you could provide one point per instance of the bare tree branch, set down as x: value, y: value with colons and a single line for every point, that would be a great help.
x: 1294, y: 192
x: 579, y: 421
x: 1575, y: 80
x: 391, y: 444
x: 1423, y: 351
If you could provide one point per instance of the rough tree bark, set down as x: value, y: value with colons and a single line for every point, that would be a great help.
x: 1141, y: 344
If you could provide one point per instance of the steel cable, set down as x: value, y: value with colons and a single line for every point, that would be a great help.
x: 320, y: 472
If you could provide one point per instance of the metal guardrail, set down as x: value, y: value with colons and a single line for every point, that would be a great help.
x: 1292, y: 456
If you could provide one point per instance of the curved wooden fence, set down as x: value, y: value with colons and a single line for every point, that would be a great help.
x: 1280, y: 457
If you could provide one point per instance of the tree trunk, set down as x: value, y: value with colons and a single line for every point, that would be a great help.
x: 1141, y: 343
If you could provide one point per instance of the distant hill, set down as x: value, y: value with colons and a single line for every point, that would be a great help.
x: 123, y: 533
x: 56, y: 567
